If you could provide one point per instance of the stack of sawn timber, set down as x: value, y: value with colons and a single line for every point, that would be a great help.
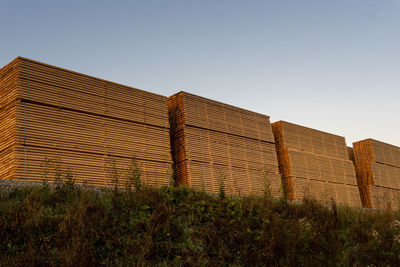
x: 215, y: 143
x: 55, y: 120
x: 315, y: 165
x: 378, y: 173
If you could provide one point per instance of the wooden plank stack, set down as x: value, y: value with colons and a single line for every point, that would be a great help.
x: 315, y: 165
x: 378, y: 173
x: 8, y: 88
x: 52, y: 118
x: 214, y: 142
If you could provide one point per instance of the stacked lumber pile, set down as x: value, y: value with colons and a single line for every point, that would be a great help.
x: 96, y: 130
x: 315, y: 165
x: 378, y: 173
x: 8, y: 88
x: 215, y: 143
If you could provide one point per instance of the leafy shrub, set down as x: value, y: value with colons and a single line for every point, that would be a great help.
x: 74, y: 225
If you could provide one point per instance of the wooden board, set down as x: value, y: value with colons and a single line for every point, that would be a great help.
x: 186, y: 109
x: 212, y: 141
x: 49, y: 114
x: 378, y: 173
x: 315, y: 165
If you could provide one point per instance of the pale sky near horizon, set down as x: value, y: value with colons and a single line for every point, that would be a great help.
x: 329, y: 65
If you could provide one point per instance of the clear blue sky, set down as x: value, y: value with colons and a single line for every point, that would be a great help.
x: 330, y: 65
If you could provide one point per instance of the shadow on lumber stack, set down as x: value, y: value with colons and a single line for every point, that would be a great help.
x: 214, y: 142
x: 315, y: 165
x: 52, y: 116
x: 378, y: 173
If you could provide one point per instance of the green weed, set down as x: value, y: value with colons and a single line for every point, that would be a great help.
x: 73, y: 225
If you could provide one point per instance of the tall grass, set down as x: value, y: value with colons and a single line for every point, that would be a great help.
x: 72, y: 225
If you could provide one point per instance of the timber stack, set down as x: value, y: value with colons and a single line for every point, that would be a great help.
x: 53, y: 118
x: 378, y: 173
x: 315, y: 165
x: 55, y: 122
x: 217, y: 145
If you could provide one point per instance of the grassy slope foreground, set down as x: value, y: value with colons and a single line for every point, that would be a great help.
x: 75, y: 226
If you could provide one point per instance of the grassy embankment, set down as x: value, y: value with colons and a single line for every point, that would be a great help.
x: 73, y: 225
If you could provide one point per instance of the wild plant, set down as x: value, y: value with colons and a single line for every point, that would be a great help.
x: 221, y: 185
x: 134, y: 175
